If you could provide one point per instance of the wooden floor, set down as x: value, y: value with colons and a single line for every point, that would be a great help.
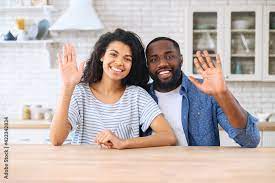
x: 85, y: 163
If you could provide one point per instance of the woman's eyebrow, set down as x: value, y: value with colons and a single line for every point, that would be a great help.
x: 114, y: 50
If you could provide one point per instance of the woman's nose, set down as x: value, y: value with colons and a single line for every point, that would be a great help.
x: 118, y: 62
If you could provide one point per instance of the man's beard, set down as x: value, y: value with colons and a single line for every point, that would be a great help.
x: 168, y: 85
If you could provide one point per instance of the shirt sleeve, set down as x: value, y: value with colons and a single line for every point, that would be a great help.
x: 148, y: 109
x: 245, y: 137
x: 74, y: 110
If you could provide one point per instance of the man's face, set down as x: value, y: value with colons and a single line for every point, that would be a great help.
x: 164, y: 64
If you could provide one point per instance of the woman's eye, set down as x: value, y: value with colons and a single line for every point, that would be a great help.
x: 113, y: 54
x: 128, y: 60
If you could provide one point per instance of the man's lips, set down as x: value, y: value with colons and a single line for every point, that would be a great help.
x: 164, y: 73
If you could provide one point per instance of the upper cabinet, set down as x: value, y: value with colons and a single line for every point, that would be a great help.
x: 269, y: 43
x: 243, y: 43
x: 235, y: 33
x: 204, y: 31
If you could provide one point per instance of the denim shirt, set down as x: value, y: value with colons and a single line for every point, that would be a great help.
x: 201, y: 115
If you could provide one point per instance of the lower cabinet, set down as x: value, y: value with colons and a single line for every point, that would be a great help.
x: 27, y: 136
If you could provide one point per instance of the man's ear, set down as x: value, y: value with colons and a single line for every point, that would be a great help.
x: 181, y: 60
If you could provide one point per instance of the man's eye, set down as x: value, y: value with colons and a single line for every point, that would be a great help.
x: 170, y: 57
x: 153, y: 60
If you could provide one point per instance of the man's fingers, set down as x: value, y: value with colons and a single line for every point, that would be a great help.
x: 202, y: 62
x: 198, y: 66
x: 208, y: 59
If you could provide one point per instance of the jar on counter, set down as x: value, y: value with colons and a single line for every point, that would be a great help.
x: 37, y: 112
x: 48, y: 115
x: 26, y: 112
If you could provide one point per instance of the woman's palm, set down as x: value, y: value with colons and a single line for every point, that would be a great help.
x: 70, y: 73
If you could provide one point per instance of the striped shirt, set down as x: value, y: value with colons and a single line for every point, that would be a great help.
x: 89, y: 116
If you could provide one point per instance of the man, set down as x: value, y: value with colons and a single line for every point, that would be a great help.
x: 194, y: 108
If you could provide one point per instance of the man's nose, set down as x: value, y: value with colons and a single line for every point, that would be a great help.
x: 162, y: 61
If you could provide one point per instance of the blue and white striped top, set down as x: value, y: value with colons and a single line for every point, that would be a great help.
x: 89, y: 116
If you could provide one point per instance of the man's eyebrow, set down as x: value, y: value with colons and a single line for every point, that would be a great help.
x: 169, y: 51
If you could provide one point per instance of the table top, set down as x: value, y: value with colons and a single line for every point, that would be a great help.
x: 79, y: 163
x: 43, y: 124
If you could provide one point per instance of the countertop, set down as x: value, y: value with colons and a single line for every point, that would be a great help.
x: 89, y: 163
x: 42, y: 124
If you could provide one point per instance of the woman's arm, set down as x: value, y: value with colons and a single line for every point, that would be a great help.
x: 61, y: 127
x: 71, y: 76
x: 163, y: 136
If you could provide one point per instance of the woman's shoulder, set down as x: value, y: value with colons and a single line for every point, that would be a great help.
x: 136, y: 90
x: 81, y: 88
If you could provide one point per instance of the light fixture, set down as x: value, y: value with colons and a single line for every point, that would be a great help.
x: 79, y: 16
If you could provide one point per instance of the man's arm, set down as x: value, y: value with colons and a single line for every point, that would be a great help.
x: 214, y: 84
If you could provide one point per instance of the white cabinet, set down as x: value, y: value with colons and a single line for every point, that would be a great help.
x: 26, y: 136
x: 269, y: 139
x: 204, y: 31
x: 235, y: 32
x: 269, y: 43
x: 29, y: 136
x: 243, y: 46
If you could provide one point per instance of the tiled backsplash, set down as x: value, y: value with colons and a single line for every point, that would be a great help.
x: 26, y: 78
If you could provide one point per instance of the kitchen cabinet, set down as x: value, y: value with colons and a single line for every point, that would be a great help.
x: 269, y: 43
x: 32, y: 16
x: 235, y: 32
x: 204, y: 31
x: 27, y: 136
x: 28, y: 132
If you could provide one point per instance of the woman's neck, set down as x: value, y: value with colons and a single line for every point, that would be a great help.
x: 108, y: 87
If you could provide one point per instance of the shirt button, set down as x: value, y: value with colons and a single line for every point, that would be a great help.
x: 198, y: 113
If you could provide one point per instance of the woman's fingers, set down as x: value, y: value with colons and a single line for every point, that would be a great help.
x: 69, y: 52
x: 65, y: 54
x: 59, y: 59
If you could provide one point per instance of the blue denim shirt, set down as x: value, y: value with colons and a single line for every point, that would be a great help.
x: 201, y: 115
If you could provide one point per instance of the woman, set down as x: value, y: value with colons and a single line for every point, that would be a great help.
x: 107, y: 104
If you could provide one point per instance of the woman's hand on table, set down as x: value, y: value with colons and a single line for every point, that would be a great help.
x: 109, y: 140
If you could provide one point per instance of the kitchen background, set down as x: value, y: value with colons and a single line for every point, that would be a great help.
x: 240, y: 30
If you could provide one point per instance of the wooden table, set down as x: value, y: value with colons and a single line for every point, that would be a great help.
x: 74, y: 163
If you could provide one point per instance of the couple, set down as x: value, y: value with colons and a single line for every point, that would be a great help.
x: 107, y: 103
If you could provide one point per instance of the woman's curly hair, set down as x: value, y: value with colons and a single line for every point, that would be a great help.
x: 138, y: 74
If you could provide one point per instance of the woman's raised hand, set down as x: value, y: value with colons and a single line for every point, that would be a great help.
x: 70, y: 73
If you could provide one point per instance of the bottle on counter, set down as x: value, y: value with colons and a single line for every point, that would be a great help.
x: 26, y: 112
x: 37, y: 112
x: 48, y: 115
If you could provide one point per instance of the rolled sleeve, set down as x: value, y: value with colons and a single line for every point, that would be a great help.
x: 245, y: 137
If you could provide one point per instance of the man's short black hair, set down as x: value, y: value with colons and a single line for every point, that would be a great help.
x: 176, y: 45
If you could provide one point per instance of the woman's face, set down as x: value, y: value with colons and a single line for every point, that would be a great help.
x: 117, y: 61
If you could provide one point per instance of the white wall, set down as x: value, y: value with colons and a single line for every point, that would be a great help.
x: 26, y: 78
